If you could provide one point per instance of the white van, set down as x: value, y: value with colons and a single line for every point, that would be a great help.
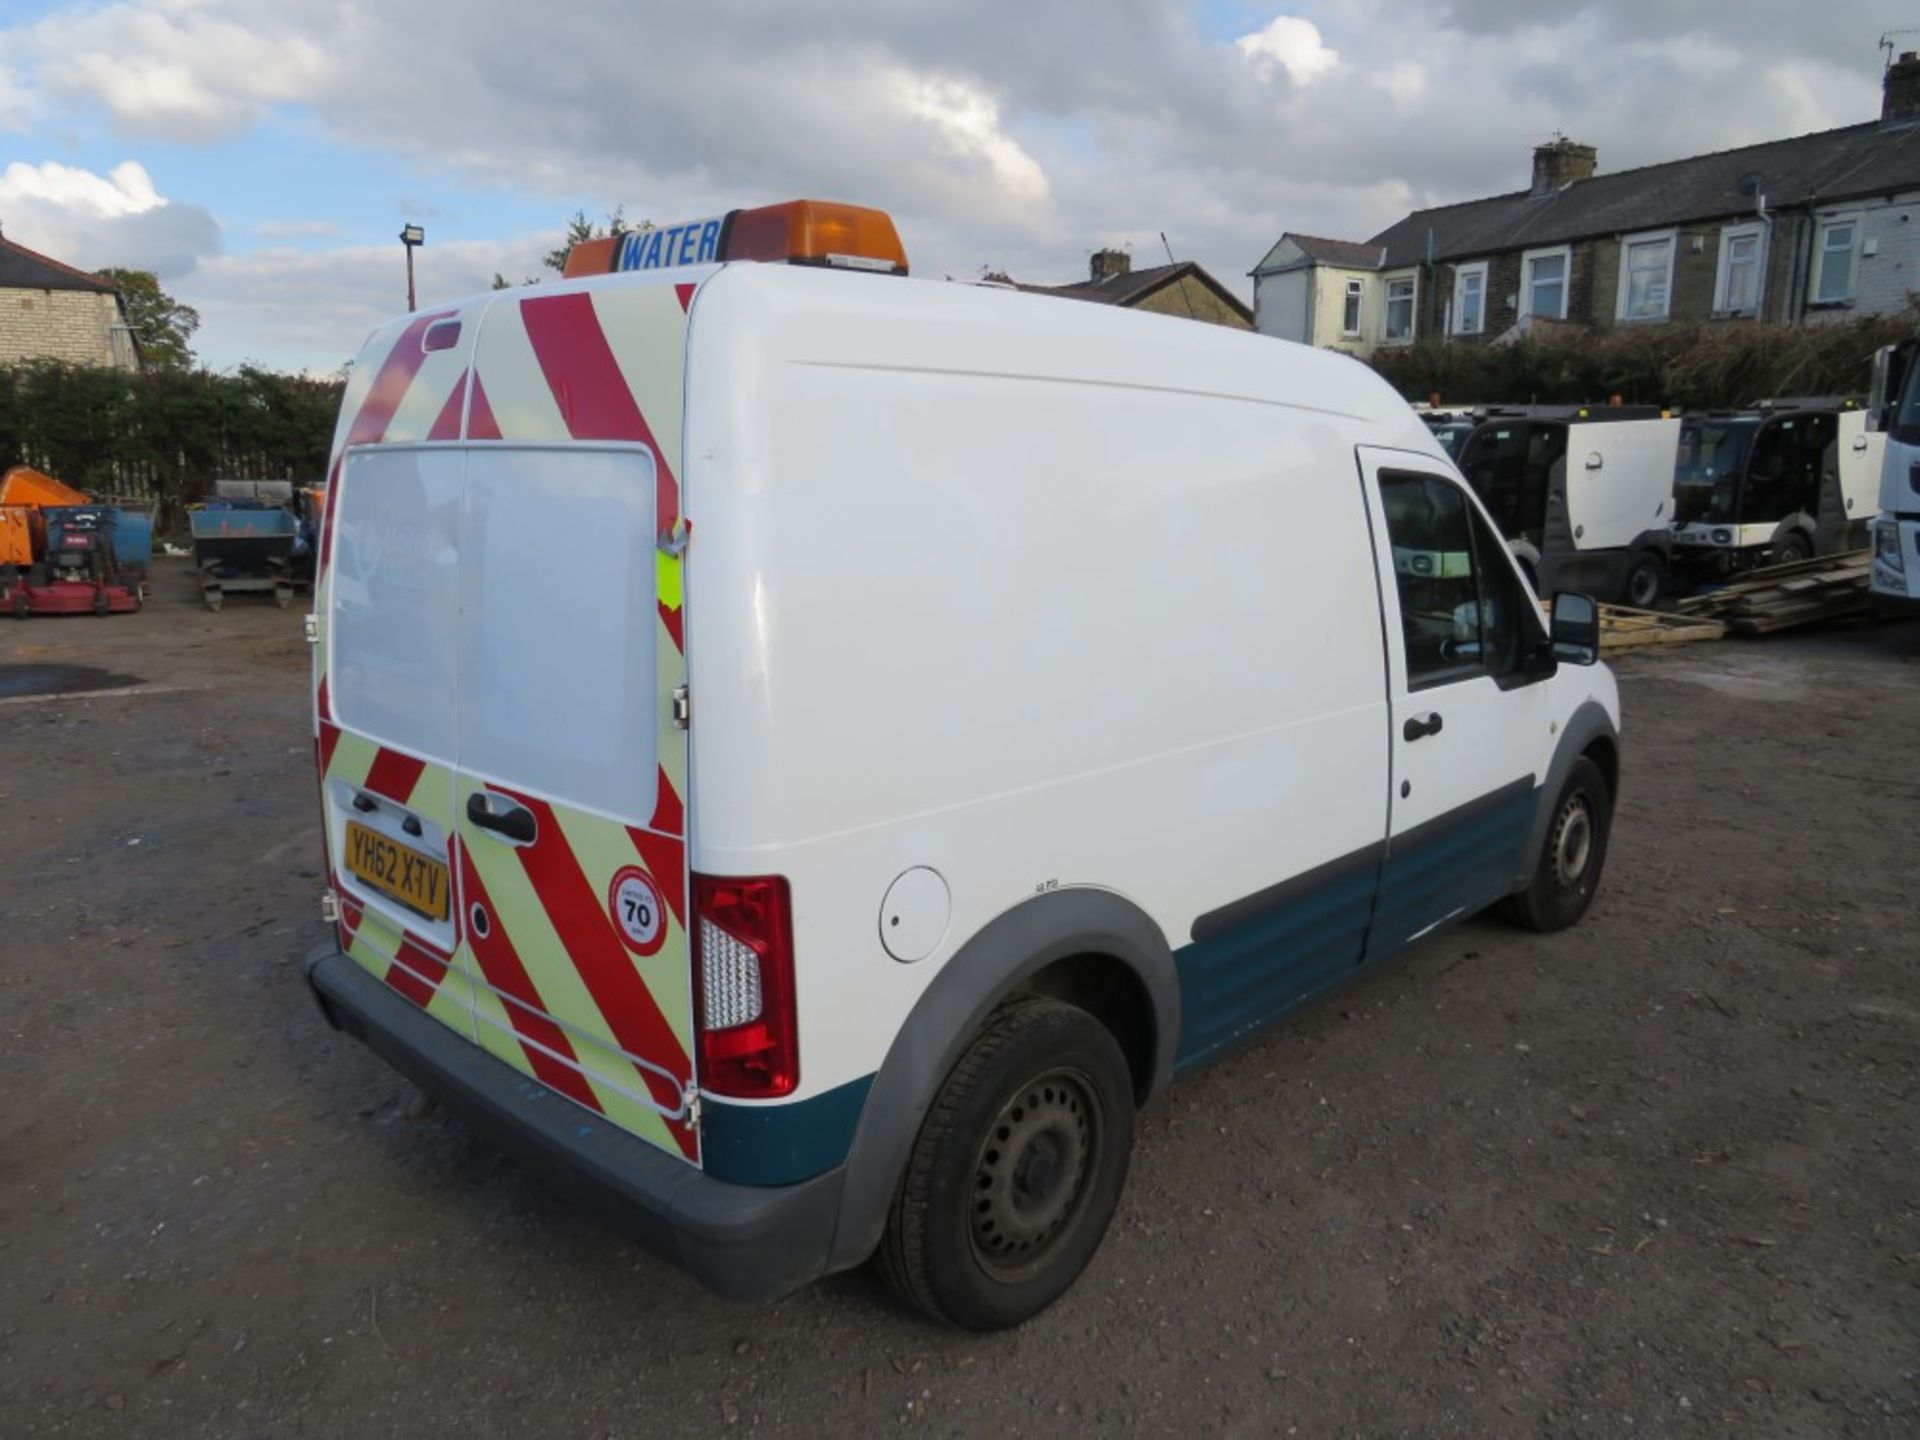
x: 1781, y: 481
x: 810, y: 751
x: 1583, y: 494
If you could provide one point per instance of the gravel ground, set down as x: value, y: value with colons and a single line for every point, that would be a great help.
x: 1656, y: 1175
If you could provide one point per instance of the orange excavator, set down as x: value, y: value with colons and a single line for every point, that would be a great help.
x: 57, y: 552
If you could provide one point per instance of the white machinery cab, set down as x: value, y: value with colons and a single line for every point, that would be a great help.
x: 1584, y: 496
x: 1785, y: 480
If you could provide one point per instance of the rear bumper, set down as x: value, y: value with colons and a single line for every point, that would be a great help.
x: 744, y: 1242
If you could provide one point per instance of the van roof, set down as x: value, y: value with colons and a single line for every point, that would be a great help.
x: 1106, y: 345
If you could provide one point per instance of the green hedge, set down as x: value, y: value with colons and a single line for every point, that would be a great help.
x: 163, y: 435
x: 1683, y: 366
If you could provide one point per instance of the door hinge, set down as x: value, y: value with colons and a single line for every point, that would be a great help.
x: 674, y: 541
x: 682, y: 706
x: 329, y: 907
x: 693, y: 1109
x: 310, y: 626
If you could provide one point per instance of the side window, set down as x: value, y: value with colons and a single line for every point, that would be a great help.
x: 1460, y: 602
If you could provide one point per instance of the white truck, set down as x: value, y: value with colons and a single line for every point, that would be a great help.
x: 1780, y: 481
x: 806, y: 752
x: 1583, y: 494
x: 1895, y: 573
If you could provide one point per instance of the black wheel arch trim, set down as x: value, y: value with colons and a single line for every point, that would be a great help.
x: 1006, y: 953
x: 1589, y: 722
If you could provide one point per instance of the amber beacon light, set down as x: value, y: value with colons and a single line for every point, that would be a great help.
x: 798, y: 232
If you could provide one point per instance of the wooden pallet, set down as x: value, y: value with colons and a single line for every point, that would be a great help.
x: 1624, y: 628
x: 1779, y: 597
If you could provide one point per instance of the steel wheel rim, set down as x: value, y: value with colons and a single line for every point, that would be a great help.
x: 1029, y: 1182
x: 1572, y: 843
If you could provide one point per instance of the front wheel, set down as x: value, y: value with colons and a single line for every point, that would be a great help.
x: 1792, y: 548
x: 1646, y: 579
x: 1016, y: 1171
x: 1567, y: 870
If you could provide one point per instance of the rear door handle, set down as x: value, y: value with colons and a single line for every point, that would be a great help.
x: 1418, y: 727
x: 506, y: 818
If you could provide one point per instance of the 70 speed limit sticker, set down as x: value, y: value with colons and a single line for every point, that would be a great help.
x: 638, y: 910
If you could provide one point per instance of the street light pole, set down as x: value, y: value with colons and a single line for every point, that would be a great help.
x: 411, y: 236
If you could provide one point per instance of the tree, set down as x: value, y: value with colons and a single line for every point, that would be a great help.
x: 580, y: 229
x: 161, y: 324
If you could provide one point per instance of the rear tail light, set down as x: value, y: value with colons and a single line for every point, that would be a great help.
x: 743, y: 1007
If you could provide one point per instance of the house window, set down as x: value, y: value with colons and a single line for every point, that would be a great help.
x: 1833, y: 262
x: 1646, y: 276
x: 1470, y: 299
x: 1400, y: 309
x: 1736, y: 285
x: 1350, y: 317
x: 1543, y: 289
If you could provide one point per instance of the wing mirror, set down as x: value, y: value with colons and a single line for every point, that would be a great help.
x: 1575, y: 627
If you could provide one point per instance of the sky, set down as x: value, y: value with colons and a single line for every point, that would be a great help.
x: 262, y: 157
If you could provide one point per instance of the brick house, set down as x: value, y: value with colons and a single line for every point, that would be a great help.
x: 51, y: 311
x: 1796, y: 231
x: 1183, y: 289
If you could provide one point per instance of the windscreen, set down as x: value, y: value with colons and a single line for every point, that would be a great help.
x: 1509, y: 465
x: 1706, y: 475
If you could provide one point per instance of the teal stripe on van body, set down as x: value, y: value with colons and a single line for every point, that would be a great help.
x: 1270, y: 954
x: 780, y: 1144
x: 1453, y: 866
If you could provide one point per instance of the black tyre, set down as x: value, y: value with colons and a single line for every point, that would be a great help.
x: 1791, y: 548
x: 1567, y: 870
x: 1016, y: 1171
x: 1646, y: 580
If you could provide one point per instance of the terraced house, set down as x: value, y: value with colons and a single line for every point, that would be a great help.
x: 1798, y: 231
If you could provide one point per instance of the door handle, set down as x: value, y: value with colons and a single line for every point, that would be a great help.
x: 1418, y: 727
x: 504, y: 817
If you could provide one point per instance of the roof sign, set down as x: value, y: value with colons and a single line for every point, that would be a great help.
x: 799, y: 232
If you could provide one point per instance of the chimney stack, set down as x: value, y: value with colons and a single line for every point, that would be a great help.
x: 1900, y: 91
x: 1559, y: 163
x: 1109, y: 263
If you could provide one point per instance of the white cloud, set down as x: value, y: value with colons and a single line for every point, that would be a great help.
x: 1291, y: 44
x: 90, y: 220
x: 181, y: 69
x: 966, y: 120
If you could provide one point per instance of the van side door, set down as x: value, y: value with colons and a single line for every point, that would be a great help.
x: 1465, y: 654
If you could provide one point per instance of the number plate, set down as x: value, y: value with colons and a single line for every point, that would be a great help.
x: 417, y: 881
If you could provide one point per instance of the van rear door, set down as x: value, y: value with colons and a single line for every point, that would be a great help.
x: 575, y: 897
x: 569, y: 798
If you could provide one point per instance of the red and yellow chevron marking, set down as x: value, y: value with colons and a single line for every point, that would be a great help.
x: 549, y: 987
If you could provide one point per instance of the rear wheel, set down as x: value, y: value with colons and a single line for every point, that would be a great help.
x: 1646, y: 579
x: 1016, y: 1171
x: 1567, y: 870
